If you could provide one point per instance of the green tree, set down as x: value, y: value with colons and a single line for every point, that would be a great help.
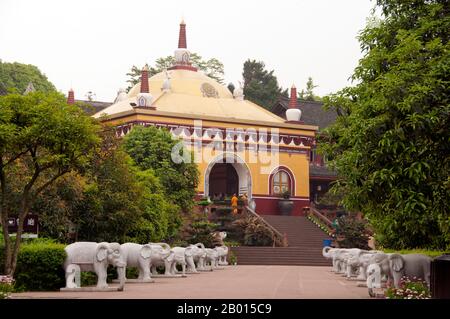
x: 260, y: 86
x: 309, y: 93
x: 14, y: 77
x: 41, y: 139
x: 390, y: 143
x: 212, y: 68
x: 110, y: 200
x: 151, y: 148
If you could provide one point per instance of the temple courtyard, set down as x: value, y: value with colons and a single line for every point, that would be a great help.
x: 242, y: 282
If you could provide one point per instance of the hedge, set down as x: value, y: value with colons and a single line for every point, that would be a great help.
x: 39, y: 267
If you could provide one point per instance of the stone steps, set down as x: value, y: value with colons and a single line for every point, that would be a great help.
x: 305, y: 242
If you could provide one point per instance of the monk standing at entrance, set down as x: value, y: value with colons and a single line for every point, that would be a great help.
x: 234, y: 204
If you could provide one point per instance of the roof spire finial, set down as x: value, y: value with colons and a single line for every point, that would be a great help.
x: 144, y: 80
x: 182, y: 54
x: 293, y: 100
x: 182, y: 43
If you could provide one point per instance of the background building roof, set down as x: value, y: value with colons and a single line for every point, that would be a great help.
x: 312, y: 112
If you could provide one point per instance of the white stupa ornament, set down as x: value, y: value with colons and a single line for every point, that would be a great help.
x: 293, y: 113
x: 144, y: 98
x: 121, y: 95
x: 238, y: 93
x: 166, y: 87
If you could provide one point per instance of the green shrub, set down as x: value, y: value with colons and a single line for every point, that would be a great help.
x: 430, y: 253
x: 40, y: 267
x: 355, y: 233
x: 254, y: 232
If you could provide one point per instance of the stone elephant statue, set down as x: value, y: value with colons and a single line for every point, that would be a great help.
x: 410, y: 265
x: 162, y: 255
x: 360, y: 261
x: 212, y: 258
x: 330, y: 253
x: 378, y: 266
x: 200, y: 257
x: 139, y: 256
x: 90, y: 256
x: 182, y: 256
x: 198, y: 253
x: 222, y: 252
x: 342, y: 256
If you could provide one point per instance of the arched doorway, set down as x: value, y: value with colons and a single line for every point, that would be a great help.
x: 230, y: 170
x: 223, y: 179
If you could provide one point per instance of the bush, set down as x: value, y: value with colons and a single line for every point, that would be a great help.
x: 39, y: 267
x: 355, y: 233
x: 254, y: 232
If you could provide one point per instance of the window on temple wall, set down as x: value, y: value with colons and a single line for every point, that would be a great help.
x: 281, y: 183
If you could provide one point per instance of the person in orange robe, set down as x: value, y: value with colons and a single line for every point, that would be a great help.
x: 234, y: 204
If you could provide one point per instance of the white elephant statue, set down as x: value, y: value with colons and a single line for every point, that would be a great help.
x: 212, y: 258
x: 222, y: 252
x: 162, y: 255
x: 138, y: 256
x: 198, y: 253
x: 410, y: 265
x: 90, y: 256
x: 342, y: 256
x: 360, y: 261
x: 200, y: 257
x: 330, y: 253
x: 182, y: 256
x: 378, y: 267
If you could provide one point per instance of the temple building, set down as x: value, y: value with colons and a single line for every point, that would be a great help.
x: 239, y: 146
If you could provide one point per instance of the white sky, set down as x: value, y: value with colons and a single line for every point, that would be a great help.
x: 91, y: 45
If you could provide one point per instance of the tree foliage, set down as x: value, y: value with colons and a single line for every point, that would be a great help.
x: 260, y: 86
x: 14, y: 77
x: 111, y: 200
x: 211, y: 67
x: 308, y: 94
x: 151, y: 148
x: 41, y: 139
x: 391, y: 142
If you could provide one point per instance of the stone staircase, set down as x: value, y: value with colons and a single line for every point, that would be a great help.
x: 305, y: 245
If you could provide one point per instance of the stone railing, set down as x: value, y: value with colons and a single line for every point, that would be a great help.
x: 278, y: 238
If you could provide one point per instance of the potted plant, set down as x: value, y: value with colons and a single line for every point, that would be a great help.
x: 285, y: 204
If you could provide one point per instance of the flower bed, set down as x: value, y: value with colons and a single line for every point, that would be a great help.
x: 6, y: 286
x: 414, y: 288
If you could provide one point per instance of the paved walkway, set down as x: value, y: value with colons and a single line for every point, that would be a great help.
x: 242, y: 282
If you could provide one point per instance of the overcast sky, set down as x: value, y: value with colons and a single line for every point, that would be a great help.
x: 91, y: 45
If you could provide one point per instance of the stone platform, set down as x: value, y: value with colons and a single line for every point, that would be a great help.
x: 242, y: 282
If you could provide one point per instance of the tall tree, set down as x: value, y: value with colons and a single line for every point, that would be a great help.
x: 309, y: 94
x: 151, y: 148
x: 212, y: 68
x: 260, y: 86
x: 390, y: 144
x: 16, y: 77
x: 41, y: 139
